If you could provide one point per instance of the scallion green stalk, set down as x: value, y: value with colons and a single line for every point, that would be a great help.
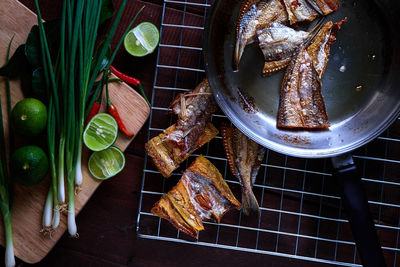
x: 5, y: 188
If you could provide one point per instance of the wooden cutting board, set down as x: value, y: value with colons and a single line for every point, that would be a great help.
x: 29, y: 244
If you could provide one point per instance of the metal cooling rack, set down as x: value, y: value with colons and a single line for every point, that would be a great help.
x: 301, y: 211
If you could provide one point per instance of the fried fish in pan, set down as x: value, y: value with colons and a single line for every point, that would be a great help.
x: 324, y: 7
x: 301, y: 104
x: 253, y: 13
x: 280, y: 43
x: 299, y: 10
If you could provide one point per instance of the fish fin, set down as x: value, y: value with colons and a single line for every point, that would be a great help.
x: 240, y: 43
x: 249, y: 203
x: 314, y: 31
x: 274, y: 66
x: 227, y: 135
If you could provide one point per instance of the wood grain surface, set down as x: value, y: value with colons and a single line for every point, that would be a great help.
x: 107, y: 223
x: 31, y: 245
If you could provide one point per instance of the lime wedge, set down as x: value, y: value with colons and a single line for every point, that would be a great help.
x: 107, y: 163
x: 142, y: 40
x: 101, y: 132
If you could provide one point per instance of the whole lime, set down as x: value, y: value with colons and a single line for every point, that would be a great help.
x: 29, y: 165
x: 29, y: 117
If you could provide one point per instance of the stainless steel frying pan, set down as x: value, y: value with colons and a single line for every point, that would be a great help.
x: 367, y: 50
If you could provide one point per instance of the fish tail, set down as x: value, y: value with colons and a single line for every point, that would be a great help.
x: 249, y: 203
x: 238, y: 54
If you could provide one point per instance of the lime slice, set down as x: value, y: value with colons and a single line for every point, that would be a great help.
x: 107, y: 163
x: 142, y: 40
x: 101, y: 132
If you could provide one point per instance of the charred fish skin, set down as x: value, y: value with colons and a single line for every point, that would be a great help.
x: 244, y: 158
x: 301, y: 103
x: 251, y: 14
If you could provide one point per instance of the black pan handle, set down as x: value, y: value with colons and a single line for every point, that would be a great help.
x: 357, y: 210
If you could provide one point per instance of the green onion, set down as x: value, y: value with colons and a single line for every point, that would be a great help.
x: 5, y: 188
x: 71, y: 83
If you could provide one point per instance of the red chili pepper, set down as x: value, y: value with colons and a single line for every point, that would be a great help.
x: 114, y: 112
x: 95, y: 109
x: 130, y: 80
x: 124, y: 77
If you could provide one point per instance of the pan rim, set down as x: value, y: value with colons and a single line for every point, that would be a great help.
x: 285, y: 149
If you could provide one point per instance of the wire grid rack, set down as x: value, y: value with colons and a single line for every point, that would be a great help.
x: 301, y: 211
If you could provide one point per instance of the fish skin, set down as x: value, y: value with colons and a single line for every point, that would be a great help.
x: 299, y: 10
x: 244, y: 157
x: 199, y: 105
x: 324, y: 7
x: 251, y: 14
x: 301, y: 103
x: 319, y: 49
x: 280, y: 43
x: 201, y: 194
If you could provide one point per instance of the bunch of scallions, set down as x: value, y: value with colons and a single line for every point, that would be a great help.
x: 71, y: 90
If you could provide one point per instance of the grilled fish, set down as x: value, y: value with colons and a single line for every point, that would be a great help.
x: 194, y: 109
x: 279, y: 44
x: 190, y: 132
x: 201, y: 194
x: 299, y: 10
x: 253, y: 13
x: 244, y: 157
x: 324, y: 7
x: 319, y: 48
x: 301, y: 103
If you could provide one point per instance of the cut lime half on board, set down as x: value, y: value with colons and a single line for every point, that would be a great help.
x: 106, y: 163
x: 142, y: 40
x: 101, y: 132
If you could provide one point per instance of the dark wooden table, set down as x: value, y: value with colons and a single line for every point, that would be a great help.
x: 107, y: 224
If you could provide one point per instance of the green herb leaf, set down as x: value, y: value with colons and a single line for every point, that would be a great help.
x: 107, y: 11
x: 32, y: 46
x: 38, y: 83
x: 16, y: 64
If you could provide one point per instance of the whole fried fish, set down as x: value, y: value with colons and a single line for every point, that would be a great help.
x: 280, y: 43
x: 324, y: 7
x: 244, y: 157
x: 253, y: 13
x: 301, y: 103
x: 300, y: 10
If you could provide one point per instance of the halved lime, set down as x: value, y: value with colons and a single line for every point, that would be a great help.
x: 107, y: 163
x: 142, y: 40
x: 101, y: 132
